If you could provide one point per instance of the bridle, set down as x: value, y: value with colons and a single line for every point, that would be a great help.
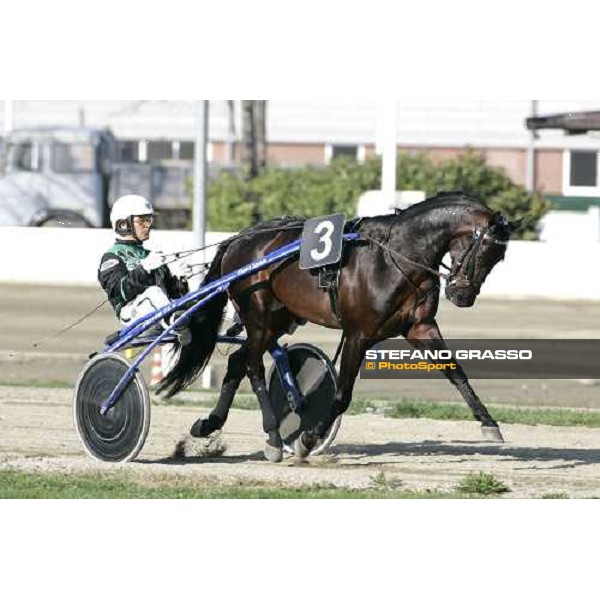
x: 469, y: 256
x: 478, y: 234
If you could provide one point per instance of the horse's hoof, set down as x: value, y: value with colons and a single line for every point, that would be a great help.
x: 202, y: 429
x: 196, y: 429
x: 300, y: 450
x: 491, y: 434
x: 304, y: 444
x: 273, y: 454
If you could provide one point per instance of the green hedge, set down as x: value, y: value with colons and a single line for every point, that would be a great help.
x: 314, y: 191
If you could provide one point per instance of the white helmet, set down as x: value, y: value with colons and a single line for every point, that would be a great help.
x: 129, y: 206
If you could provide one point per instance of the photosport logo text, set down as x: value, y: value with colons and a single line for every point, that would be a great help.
x: 484, y: 359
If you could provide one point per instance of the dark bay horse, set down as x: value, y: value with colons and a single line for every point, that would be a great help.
x: 389, y: 286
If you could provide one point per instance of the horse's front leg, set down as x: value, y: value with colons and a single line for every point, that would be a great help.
x: 428, y: 336
x: 352, y: 355
x: 236, y: 371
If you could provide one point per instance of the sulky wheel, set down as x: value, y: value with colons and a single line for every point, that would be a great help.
x: 119, y: 435
x: 316, y: 378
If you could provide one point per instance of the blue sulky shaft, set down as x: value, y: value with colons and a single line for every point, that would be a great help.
x: 200, y: 296
x: 128, y: 376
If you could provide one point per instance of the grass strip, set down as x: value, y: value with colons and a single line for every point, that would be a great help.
x: 417, y: 409
x: 34, y: 383
x: 21, y: 485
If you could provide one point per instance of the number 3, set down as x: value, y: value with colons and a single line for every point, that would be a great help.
x: 325, y: 239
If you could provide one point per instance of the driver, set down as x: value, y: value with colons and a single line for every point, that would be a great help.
x: 138, y: 281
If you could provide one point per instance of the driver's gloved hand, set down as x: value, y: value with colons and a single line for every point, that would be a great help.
x: 182, y: 270
x: 153, y: 261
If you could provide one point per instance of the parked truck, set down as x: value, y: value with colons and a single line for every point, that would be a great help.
x: 70, y: 177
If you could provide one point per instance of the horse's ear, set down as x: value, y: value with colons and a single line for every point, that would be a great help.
x: 514, y: 225
x: 500, y: 224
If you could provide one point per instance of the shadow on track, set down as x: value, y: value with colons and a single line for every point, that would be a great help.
x: 574, y: 457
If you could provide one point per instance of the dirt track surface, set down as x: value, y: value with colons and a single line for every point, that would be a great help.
x: 37, y: 434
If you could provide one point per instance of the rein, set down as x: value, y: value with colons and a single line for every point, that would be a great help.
x: 233, y: 238
x: 408, y: 260
x: 62, y: 331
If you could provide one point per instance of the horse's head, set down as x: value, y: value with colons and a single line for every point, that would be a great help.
x: 474, y: 253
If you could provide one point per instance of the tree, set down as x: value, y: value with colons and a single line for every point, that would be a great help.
x: 254, y: 147
x: 313, y: 191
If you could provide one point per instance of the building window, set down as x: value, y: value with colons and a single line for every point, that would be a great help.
x: 160, y: 150
x: 346, y: 151
x: 351, y: 151
x: 186, y: 150
x: 584, y: 169
x: 154, y: 150
x: 581, y: 173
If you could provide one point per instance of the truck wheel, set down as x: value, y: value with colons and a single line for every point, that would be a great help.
x: 66, y: 221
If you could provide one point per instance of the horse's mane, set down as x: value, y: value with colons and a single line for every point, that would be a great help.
x: 441, y: 200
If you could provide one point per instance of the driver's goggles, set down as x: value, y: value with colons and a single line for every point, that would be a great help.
x: 144, y: 219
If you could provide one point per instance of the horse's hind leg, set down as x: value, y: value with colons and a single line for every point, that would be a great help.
x: 236, y: 371
x: 427, y: 335
x: 257, y: 345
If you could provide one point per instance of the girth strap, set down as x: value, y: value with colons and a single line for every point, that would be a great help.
x: 329, y: 279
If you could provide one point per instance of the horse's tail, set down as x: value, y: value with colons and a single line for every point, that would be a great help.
x: 204, y: 326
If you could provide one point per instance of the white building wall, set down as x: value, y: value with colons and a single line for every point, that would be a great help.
x: 133, y: 119
x: 441, y: 123
x: 322, y: 121
x: 487, y: 123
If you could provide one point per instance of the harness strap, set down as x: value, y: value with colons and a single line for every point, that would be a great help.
x: 339, y: 348
x: 333, y: 301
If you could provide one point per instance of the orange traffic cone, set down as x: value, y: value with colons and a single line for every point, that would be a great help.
x: 157, y: 369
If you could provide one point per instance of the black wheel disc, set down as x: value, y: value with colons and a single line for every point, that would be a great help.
x: 316, y: 379
x: 119, y: 435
